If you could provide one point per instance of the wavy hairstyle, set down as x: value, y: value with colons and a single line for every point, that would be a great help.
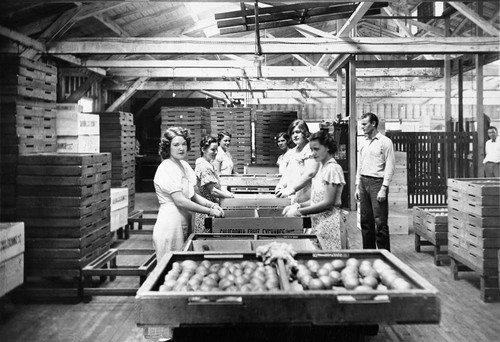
x: 222, y: 134
x: 205, y: 143
x: 325, y: 139
x: 302, y: 125
x: 286, y: 136
x: 171, y: 133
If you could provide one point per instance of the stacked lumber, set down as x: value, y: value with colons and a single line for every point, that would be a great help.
x: 236, y: 121
x: 27, y: 120
x: 398, y: 197
x: 77, y: 132
x: 267, y: 126
x: 64, y: 201
x: 473, y: 230
x: 196, y: 119
x: 11, y: 256
x: 118, y: 137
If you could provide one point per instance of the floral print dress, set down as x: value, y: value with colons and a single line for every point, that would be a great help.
x: 205, y: 175
x: 326, y: 225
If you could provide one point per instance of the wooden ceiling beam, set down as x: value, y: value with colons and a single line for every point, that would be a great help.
x: 252, y: 72
x: 355, y: 45
x: 484, y: 24
x: 127, y: 94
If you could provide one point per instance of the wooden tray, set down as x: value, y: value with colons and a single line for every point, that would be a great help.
x: 418, y: 305
x: 258, y: 225
x: 247, y: 242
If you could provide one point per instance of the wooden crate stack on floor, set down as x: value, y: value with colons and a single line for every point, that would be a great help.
x: 64, y: 201
x: 237, y: 122
x: 196, y: 119
x: 118, y: 138
x: 11, y: 256
x: 473, y: 230
x: 430, y: 225
x: 267, y: 126
x: 27, y: 120
x: 399, y: 216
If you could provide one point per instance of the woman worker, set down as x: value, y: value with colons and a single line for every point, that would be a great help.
x: 284, y: 143
x: 224, y: 161
x: 326, y: 193
x: 302, y: 167
x: 207, y: 181
x: 174, y: 183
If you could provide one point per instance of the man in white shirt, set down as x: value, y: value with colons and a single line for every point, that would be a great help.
x: 492, y: 148
x: 376, y: 166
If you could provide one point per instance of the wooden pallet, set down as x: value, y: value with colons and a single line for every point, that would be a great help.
x: 106, y: 266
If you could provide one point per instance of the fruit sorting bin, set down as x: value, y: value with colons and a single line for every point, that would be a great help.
x: 247, y: 242
x: 420, y: 304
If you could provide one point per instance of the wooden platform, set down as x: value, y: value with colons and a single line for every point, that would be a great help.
x: 464, y: 316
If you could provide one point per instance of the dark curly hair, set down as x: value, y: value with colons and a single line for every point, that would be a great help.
x: 205, y: 143
x: 302, y: 125
x: 372, y: 117
x: 325, y: 139
x: 286, y: 136
x: 170, y: 133
x: 222, y: 134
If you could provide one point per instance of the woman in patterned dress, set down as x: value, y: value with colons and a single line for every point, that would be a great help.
x: 207, y: 181
x: 174, y: 183
x: 326, y: 193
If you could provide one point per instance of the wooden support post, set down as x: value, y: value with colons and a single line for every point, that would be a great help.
x: 353, y: 132
x: 339, y: 92
x: 447, y: 105
x: 460, y: 96
x: 481, y: 139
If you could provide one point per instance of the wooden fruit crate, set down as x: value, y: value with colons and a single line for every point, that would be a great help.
x: 258, y: 225
x: 430, y: 226
x: 14, y: 64
x: 116, y: 118
x: 475, y: 186
x: 420, y: 304
x: 27, y: 91
x: 12, y: 240
x: 265, y: 181
x: 247, y: 242
x: 254, y: 201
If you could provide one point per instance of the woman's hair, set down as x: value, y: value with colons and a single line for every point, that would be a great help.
x: 205, y: 143
x: 325, y: 139
x: 284, y: 135
x: 170, y: 133
x: 302, y: 125
x: 222, y: 134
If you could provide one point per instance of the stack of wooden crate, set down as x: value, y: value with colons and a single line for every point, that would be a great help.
x: 237, y: 122
x: 196, y: 119
x: 473, y: 231
x: 11, y: 256
x: 64, y: 201
x: 430, y: 225
x: 27, y: 120
x: 399, y: 215
x: 267, y: 126
x: 118, y: 138
x: 77, y: 132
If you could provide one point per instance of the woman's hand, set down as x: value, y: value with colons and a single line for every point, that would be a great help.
x: 286, y: 192
x: 292, y: 211
x: 216, y: 212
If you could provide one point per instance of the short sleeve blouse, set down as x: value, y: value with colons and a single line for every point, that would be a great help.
x: 170, y: 178
x: 225, y: 160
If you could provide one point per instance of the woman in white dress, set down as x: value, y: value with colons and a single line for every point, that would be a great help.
x: 302, y: 167
x: 284, y: 143
x: 326, y: 193
x: 174, y: 183
x: 223, y: 162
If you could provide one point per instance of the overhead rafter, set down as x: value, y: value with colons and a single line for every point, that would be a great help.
x: 362, y: 45
x: 475, y: 18
x: 127, y: 94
